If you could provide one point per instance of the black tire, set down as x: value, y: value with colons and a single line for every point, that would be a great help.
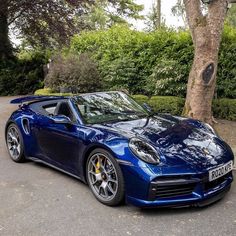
x: 117, y: 197
x: 19, y: 158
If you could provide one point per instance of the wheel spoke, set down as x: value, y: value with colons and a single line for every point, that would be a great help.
x: 94, y: 182
x: 112, y: 180
x: 15, y: 152
x: 110, y: 188
x: 106, y: 191
x: 94, y: 165
x: 92, y: 172
x: 18, y: 148
x: 10, y: 135
x: 111, y: 170
x: 99, y: 190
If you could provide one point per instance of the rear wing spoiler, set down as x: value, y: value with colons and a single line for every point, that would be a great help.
x: 29, y: 99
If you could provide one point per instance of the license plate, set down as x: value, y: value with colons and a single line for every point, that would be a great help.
x: 220, y: 171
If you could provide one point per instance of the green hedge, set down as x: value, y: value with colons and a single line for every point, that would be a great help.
x: 222, y: 108
x: 155, y: 63
x: 50, y: 92
x: 141, y: 99
x: 172, y: 105
x: 225, y: 109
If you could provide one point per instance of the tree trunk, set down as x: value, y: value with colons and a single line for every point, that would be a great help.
x: 206, y: 31
x: 158, y: 9
x: 5, y: 44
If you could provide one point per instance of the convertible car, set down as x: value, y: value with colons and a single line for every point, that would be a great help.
x: 122, y: 150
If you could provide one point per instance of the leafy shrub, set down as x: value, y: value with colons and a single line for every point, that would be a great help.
x: 49, y: 92
x: 172, y: 105
x: 226, y: 81
x: 222, y: 108
x: 167, y: 79
x: 77, y: 72
x: 225, y: 109
x: 141, y: 99
x: 22, y: 76
x: 153, y: 63
x: 44, y: 91
x: 120, y: 74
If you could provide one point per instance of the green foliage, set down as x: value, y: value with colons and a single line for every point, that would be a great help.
x: 156, y: 63
x: 23, y: 75
x: 231, y: 16
x: 50, y: 92
x: 141, y: 99
x: 222, y: 108
x: 226, y: 75
x: 106, y: 13
x: 168, y: 104
x: 225, y: 109
x: 44, y: 91
x: 77, y: 72
x: 167, y: 79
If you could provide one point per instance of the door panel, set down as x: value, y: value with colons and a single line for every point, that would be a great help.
x: 58, y: 143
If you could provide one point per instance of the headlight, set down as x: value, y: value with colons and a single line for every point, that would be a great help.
x: 144, y: 151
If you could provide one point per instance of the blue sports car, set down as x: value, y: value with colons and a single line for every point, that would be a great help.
x: 122, y: 150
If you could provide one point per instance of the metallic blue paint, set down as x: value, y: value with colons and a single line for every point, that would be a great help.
x: 180, y: 143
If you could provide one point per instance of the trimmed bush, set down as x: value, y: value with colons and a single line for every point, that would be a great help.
x: 172, y: 105
x: 50, y: 92
x: 225, y: 109
x: 45, y: 91
x: 141, y: 99
x: 222, y: 108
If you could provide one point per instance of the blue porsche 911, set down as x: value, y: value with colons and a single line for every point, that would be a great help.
x: 122, y: 150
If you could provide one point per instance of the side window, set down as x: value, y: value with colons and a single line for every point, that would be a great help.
x: 50, y: 108
x: 64, y: 109
x: 46, y: 108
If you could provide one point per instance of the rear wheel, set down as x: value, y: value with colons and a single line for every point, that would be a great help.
x: 105, y: 178
x: 14, y: 142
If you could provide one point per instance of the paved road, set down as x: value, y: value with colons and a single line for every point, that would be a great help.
x: 36, y: 200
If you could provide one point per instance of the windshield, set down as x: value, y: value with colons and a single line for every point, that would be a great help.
x: 108, y: 107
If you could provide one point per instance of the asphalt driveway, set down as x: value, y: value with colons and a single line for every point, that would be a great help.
x: 37, y: 200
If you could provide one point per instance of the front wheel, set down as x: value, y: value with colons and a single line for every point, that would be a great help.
x: 15, y: 143
x: 105, y: 178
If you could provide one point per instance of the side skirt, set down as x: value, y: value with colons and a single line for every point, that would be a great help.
x: 54, y: 167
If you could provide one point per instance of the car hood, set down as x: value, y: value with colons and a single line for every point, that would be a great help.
x: 180, y: 141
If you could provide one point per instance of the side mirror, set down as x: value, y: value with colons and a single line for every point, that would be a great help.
x: 147, y: 107
x: 61, y: 119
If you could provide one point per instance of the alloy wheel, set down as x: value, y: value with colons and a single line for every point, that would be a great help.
x: 102, y: 177
x: 13, y: 143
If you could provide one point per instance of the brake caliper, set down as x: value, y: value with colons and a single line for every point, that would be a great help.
x: 98, y: 167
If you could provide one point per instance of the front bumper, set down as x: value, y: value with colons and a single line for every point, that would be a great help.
x: 183, y: 191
